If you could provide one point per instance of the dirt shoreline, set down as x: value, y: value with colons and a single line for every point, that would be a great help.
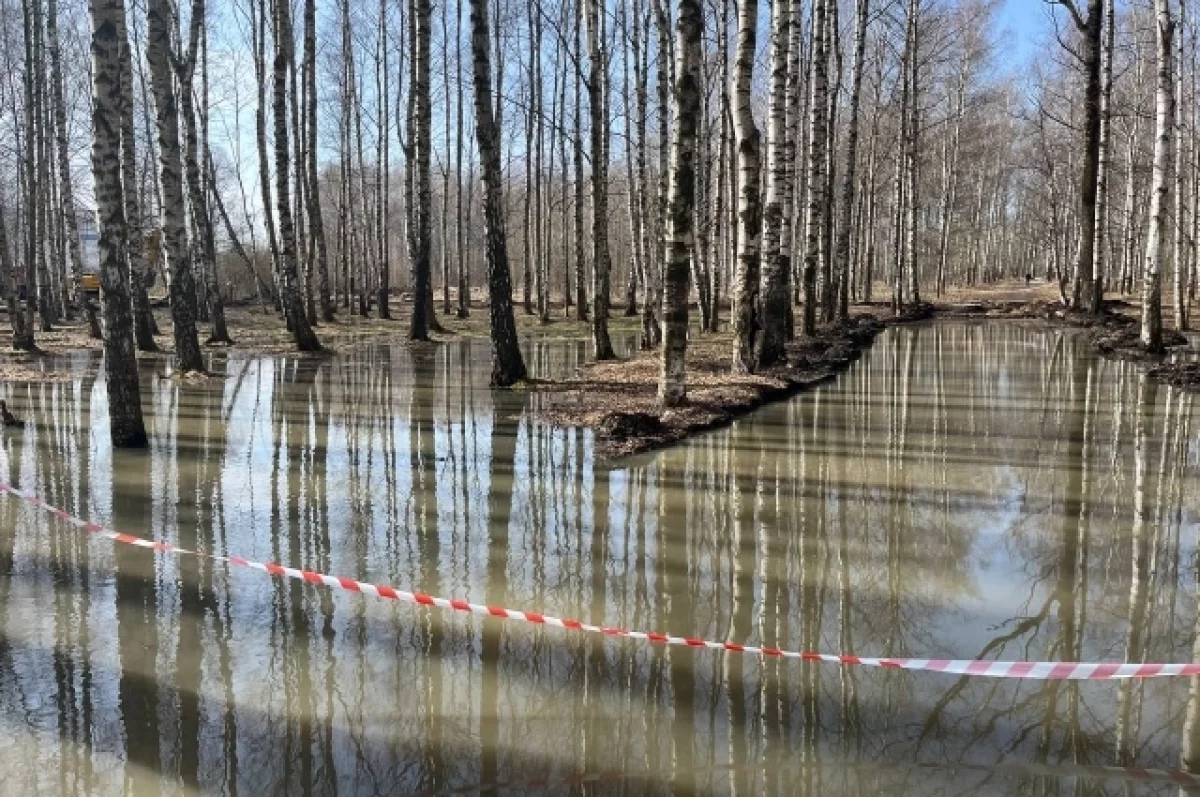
x: 618, y: 400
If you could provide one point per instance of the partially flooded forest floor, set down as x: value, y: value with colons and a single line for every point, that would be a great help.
x: 259, y: 331
x: 619, y: 401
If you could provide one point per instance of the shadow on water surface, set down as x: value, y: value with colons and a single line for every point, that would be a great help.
x: 964, y: 491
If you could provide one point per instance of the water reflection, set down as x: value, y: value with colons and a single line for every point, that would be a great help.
x: 965, y: 491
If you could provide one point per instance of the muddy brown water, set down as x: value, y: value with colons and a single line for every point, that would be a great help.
x: 964, y: 491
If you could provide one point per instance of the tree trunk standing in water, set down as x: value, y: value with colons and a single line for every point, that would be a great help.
x: 649, y: 243
x: 817, y: 141
x: 845, y: 228
x: 382, y: 171
x: 1160, y: 187
x: 508, y: 367
x: 950, y: 173
x: 774, y: 308
x: 1180, y: 270
x: 1090, y: 43
x: 29, y: 169
x: 293, y: 301
x: 258, y: 29
x: 419, y: 214
x: 527, y: 215
x: 193, y: 156
x: 22, y: 333
x: 581, y: 311
x: 912, y: 149
x: 38, y: 185
x: 597, y: 86
x: 120, y: 362
x: 1095, y: 295
x: 833, y: 90
x: 464, y: 284
x: 689, y: 30
x: 144, y: 325
x: 66, y: 189
x: 744, y: 292
x: 159, y: 36
x: 316, y: 224
x: 637, y: 238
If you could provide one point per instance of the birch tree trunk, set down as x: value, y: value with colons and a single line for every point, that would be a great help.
x: 159, y: 57
x: 912, y: 152
x: 258, y: 29
x: 144, y: 324
x: 744, y: 293
x: 1095, y: 295
x: 293, y: 300
x: 640, y: 46
x: 1178, y: 249
x: 841, y: 265
x: 126, y: 426
x: 772, y: 333
x: 1089, y: 29
x: 197, y: 199
x: 382, y: 170
x: 421, y: 254
x: 689, y: 30
x: 464, y: 283
x: 508, y: 366
x: 581, y: 311
x: 22, y: 334
x: 814, y: 169
x: 597, y: 86
x: 1160, y: 186
x: 66, y: 188
x: 316, y: 222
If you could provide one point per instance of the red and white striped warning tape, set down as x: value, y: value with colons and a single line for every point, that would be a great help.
x: 1032, y: 670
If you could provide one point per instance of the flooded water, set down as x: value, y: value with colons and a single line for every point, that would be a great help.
x: 964, y: 491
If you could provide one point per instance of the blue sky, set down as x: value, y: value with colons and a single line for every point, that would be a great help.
x: 1027, y: 24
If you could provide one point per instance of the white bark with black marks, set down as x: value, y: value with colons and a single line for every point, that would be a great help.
x: 689, y: 31
x: 126, y: 426
x: 1160, y: 187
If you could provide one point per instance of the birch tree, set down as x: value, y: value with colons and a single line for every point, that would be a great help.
x: 1095, y: 295
x: 1160, y: 188
x: 126, y: 426
x: 66, y: 188
x: 508, y: 366
x: 1089, y: 28
x: 597, y: 87
x: 817, y: 141
x: 420, y: 147
x: 744, y: 293
x: 685, y: 117
x: 772, y: 333
x: 316, y: 221
x: 293, y: 301
x: 159, y: 35
x: 144, y: 325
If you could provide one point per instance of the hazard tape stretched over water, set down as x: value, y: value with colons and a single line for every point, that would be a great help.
x: 1028, y: 670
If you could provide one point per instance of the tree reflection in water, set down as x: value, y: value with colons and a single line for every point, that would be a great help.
x: 964, y: 491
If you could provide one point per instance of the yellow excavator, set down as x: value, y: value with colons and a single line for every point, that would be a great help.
x: 91, y: 266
